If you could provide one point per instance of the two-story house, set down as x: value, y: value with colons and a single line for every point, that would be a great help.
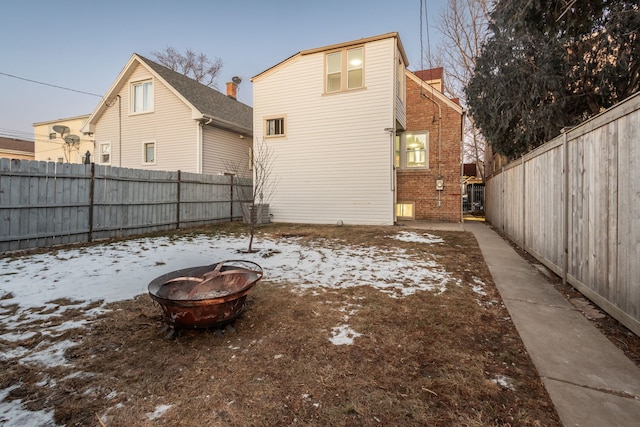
x: 356, y: 138
x: 429, y: 152
x: 329, y: 116
x: 155, y: 118
x: 51, y: 145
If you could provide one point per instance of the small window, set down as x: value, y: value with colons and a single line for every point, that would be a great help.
x: 347, y: 62
x: 53, y: 135
x: 105, y: 153
x: 405, y: 210
x: 412, y: 150
x: 149, y: 155
x: 275, y: 126
x: 142, y: 97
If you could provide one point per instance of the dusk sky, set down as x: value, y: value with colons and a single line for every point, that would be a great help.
x: 84, y: 45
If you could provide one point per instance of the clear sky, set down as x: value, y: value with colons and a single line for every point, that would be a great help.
x: 83, y: 45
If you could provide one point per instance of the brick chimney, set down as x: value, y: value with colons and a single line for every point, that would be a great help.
x: 232, y: 90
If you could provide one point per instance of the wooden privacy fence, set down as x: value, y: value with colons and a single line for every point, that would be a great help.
x: 574, y: 203
x: 45, y: 204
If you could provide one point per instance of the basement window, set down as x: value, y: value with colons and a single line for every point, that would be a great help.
x: 405, y: 210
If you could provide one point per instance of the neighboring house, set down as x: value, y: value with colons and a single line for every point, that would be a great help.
x: 50, y: 145
x: 428, y: 154
x: 356, y: 137
x: 155, y: 118
x: 11, y: 148
x: 329, y: 117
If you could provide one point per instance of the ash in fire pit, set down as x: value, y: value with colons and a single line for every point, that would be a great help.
x: 205, y: 296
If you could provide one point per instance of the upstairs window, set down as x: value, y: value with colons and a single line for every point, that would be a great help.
x: 416, y: 150
x: 412, y: 150
x: 142, y: 97
x: 274, y: 126
x: 347, y: 62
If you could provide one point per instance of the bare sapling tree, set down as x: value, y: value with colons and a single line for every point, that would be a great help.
x: 256, y: 198
x: 464, y: 27
x: 196, y: 66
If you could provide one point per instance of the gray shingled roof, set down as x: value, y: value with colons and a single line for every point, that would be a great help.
x: 210, y: 102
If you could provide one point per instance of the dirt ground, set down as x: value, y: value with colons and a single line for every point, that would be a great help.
x: 438, y: 359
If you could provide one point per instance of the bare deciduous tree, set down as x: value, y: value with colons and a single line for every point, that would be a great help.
x: 464, y: 27
x: 196, y: 66
x: 264, y: 184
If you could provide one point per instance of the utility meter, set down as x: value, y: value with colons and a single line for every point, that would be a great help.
x: 439, y: 184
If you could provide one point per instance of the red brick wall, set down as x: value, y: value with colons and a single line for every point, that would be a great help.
x: 419, y: 187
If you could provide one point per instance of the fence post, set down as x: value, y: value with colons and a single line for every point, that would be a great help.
x: 231, y: 199
x: 565, y: 207
x: 178, y: 201
x: 91, y: 200
x: 524, y: 203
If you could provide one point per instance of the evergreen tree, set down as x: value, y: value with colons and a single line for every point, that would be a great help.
x: 551, y: 64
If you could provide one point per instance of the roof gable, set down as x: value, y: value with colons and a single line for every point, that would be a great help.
x: 435, y: 93
x: 206, y: 103
x: 396, y: 36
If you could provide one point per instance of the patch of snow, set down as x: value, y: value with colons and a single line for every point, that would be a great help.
x: 411, y: 236
x: 13, y: 414
x: 18, y: 336
x: 503, y: 381
x: 343, y: 335
x: 159, y: 411
x: 49, y: 355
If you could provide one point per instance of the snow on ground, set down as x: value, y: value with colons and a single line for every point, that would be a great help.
x: 122, y: 270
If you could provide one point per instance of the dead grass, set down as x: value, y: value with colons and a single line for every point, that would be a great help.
x: 437, y: 359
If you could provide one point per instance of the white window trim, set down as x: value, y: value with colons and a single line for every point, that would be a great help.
x: 344, y: 70
x: 284, y: 126
x: 403, y: 151
x: 100, y: 145
x: 144, y: 152
x: 132, y: 98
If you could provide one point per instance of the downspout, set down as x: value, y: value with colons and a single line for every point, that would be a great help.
x: 439, y: 141
x: 119, y: 131
x: 204, y: 121
x: 464, y: 115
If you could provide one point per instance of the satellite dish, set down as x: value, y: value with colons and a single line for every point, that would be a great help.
x: 61, y: 129
x: 237, y: 80
x: 72, y: 139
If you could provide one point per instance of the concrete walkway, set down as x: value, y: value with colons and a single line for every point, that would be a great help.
x: 590, y: 381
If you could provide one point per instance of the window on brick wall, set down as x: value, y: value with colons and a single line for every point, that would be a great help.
x: 405, y: 210
x: 412, y: 150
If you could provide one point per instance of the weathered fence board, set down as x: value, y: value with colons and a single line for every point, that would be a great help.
x: 45, y: 204
x: 580, y: 215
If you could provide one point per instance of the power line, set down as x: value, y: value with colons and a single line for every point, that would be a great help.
x: 49, y: 84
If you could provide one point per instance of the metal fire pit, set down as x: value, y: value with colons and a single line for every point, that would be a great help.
x: 205, y: 296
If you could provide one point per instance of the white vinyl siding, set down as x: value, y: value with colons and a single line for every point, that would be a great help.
x: 170, y: 125
x: 224, y: 150
x: 335, y: 164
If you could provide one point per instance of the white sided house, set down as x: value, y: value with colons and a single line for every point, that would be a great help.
x: 155, y: 118
x: 328, y: 116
